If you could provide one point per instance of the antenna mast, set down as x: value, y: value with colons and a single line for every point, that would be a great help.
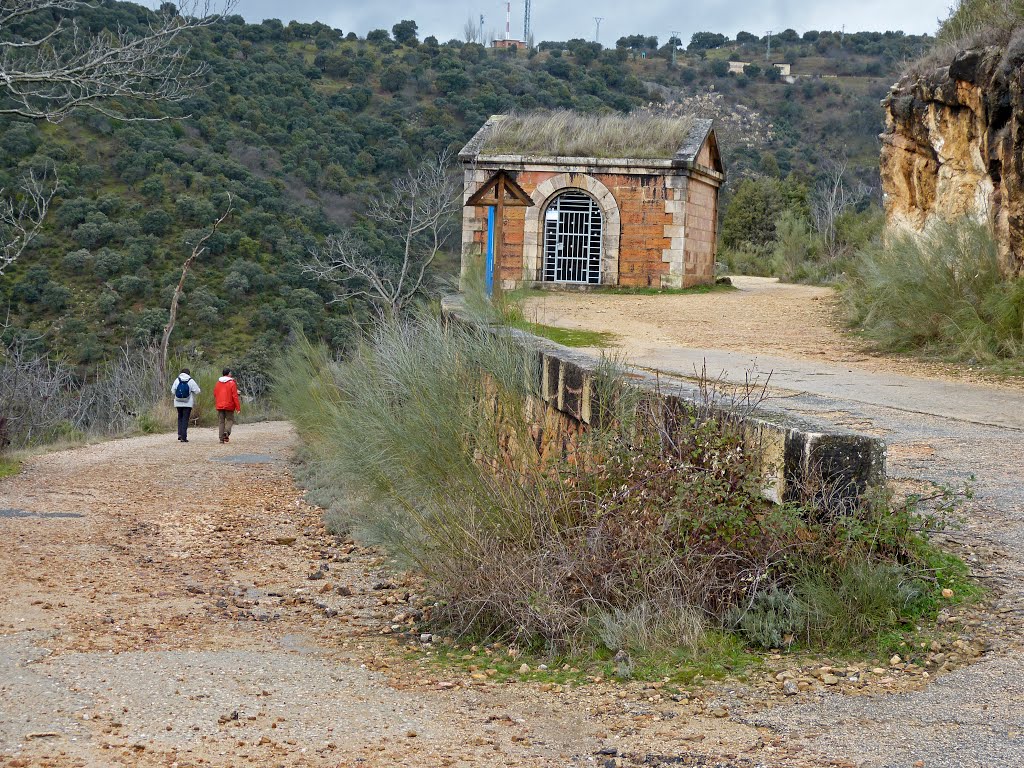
x: 597, y: 30
x: 508, y: 19
x: 482, y: 30
x: 768, y: 54
x: 675, y: 36
x: 526, y: 22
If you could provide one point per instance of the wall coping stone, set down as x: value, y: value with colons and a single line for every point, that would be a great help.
x: 795, y: 450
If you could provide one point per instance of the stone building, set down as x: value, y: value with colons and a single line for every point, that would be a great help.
x: 587, y: 219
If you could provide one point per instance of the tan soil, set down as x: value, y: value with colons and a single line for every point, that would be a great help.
x: 171, y: 621
x: 762, y: 317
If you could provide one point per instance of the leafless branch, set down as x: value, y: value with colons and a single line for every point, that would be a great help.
x: 470, y: 30
x: 834, y: 195
x: 51, y: 75
x: 198, y: 249
x: 41, y: 396
x: 416, y: 215
x: 22, y: 211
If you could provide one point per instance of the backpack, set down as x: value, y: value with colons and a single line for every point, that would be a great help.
x: 183, y: 390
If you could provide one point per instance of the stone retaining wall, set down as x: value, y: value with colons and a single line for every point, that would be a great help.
x: 796, y: 453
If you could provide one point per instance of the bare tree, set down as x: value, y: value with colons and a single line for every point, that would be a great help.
x: 417, y: 216
x: 470, y: 30
x: 47, y: 76
x: 22, y: 211
x: 834, y: 195
x: 197, y: 251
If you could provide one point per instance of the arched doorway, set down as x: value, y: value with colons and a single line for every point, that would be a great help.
x: 572, y: 239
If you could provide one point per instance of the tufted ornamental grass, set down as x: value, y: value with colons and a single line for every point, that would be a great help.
x: 564, y: 133
x: 940, y: 293
x: 645, y: 532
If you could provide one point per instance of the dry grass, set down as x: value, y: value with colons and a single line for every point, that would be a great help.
x: 972, y: 24
x: 570, y: 134
x: 997, y: 18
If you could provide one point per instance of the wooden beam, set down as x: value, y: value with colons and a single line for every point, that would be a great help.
x: 511, y: 193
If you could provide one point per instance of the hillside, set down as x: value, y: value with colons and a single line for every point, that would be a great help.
x: 299, y: 124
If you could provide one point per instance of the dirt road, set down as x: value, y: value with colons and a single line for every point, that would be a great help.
x: 942, y: 426
x: 763, y: 318
x: 157, y: 610
x: 181, y: 605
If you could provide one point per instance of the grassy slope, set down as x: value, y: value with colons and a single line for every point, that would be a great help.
x: 300, y: 132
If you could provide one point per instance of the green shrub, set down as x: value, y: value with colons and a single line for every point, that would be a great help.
x: 797, y: 253
x: 851, y: 602
x: 832, y: 605
x: 746, y: 259
x: 642, y: 533
x: 940, y: 292
x: 149, y: 424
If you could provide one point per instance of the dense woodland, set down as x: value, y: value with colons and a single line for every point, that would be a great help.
x: 300, y: 124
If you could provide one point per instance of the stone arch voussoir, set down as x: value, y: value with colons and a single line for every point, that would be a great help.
x: 533, y: 246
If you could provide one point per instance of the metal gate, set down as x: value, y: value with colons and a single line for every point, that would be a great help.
x: 572, y: 240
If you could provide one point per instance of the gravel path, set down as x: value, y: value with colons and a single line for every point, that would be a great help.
x: 763, y: 317
x: 942, y: 425
x: 158, y: 610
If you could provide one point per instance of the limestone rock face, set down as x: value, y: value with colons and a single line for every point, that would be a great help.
x: 954, y: 145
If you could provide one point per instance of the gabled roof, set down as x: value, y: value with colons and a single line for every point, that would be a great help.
x: 698, y: 133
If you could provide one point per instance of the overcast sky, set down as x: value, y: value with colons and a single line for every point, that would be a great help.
x: 566, y: 19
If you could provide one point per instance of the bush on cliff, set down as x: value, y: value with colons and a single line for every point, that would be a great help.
x: 941, y: 292
x: 646, y: 530
x: 974, y: 22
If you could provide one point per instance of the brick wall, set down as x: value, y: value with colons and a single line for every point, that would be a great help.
x: 653, y: 235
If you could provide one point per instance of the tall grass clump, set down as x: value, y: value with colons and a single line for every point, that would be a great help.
x: 646, y: 530
x: 974, y: 24
x: 572, y: 134
x: 940, y: 292
x: 982, y: 21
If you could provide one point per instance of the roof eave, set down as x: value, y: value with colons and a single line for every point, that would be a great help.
x: 685, y: 158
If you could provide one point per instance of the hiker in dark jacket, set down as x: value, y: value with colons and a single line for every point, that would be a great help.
x: 184, y: 389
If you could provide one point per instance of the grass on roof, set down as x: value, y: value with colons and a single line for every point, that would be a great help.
x: 570, y: 134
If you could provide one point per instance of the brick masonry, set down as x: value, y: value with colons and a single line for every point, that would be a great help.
x: 659, y: 216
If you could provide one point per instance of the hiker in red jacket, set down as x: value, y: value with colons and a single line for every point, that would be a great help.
x: 225, y: 398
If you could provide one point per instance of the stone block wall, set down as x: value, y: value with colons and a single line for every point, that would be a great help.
x: 796, y: 453
x: 701, y: 226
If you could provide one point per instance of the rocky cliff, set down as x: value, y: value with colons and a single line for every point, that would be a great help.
x: 954, y: 145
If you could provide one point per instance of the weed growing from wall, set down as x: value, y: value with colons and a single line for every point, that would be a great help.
x: 645, y: 530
